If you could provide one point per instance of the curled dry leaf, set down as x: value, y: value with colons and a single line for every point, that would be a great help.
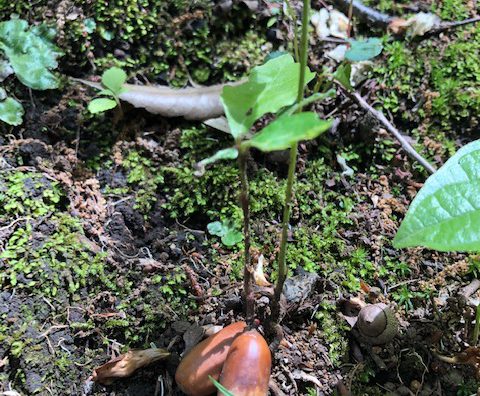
x: 199, y: 103
x: 417, y: 25
x: 258, y: 273
x: 125, y: 365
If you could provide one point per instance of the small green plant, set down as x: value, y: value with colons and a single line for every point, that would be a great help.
x: 275, y: 87
x: 112, y: 83
x: 404, y: 297
x: 226, y: 231
x: 474, y: 266
x: 27, y: 52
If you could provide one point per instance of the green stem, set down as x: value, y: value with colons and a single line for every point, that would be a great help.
x: 247, y: 268
x: 295, y: 30
x: 282, y: 266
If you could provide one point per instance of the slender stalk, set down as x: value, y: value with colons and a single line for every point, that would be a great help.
x: 282, y: 266
x: 476, y: 329
x: 350, y: 15
x: 247, y: 268
x: 295, y: 30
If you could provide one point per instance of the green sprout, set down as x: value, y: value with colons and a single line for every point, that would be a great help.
x: 112, y: 87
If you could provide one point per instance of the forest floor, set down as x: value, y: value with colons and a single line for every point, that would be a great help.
x: 103, y: 223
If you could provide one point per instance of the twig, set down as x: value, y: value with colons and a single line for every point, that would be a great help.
x: 476, y: 329
x: 365, y: 13
x: 451, y: 25
x: 389, y: 126
x: 471, y: 288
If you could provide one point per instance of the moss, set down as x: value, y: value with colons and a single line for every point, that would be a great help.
x: 212, y: 196
x: 434, y: 85
x: 162, y: 39
x: 334, y: 331
x: 27, y: 194
x: 389, y: 6
x: 56, y: 261
x: 144, y: 179
x: 451, y: 10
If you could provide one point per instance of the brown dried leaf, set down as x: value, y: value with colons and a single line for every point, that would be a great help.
x: 258, y: 273
x: 199, y: 103
x: 125, y: 365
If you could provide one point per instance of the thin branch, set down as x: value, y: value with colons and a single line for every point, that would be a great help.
x: 451, y: 25
x: 390, y: 128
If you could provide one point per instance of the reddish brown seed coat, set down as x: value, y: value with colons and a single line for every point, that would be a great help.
x: 246, y: 371
x: 206, y: 359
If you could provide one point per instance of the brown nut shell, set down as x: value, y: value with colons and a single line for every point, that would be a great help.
x: 246, y: 371
x: 206, y: 358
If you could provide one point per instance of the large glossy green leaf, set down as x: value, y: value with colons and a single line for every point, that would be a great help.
x: 30, y: 52
x: 11, y: 111
x: 445, y: 214
x: 269, y: 88
x: 287, y: 130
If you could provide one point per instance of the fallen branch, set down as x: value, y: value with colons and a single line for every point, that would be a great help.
x: 365, y: 13
x: 395, y: 24
x: 390, y: 128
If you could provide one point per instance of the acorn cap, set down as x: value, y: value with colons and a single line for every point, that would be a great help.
x: 377, y: 324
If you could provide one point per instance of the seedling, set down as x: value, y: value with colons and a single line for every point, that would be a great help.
x: 220, y: 387
x: 277, y: 87
x: 112, y: 83
x: 226, y: 231
x: 27, y: 52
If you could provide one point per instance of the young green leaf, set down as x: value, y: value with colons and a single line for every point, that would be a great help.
x: 232, y: 237
x: 11, y: 111
x: 100, y: 105
x: 362, y: 50
x: 287, y: 130
x: 445, y: 214
x: 220, y: 387
x: 342, y: 75
x: 229, y: 235
x: 113, y: 79
x: 269, y: 88
x: 228, y: 153
x: 216, y: 228
x: 30, y: 52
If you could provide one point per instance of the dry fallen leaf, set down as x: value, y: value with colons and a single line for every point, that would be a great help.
x: 125, y: 365
x: 258, y: 273
x: 417, y: 25
x: 199, y: 103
